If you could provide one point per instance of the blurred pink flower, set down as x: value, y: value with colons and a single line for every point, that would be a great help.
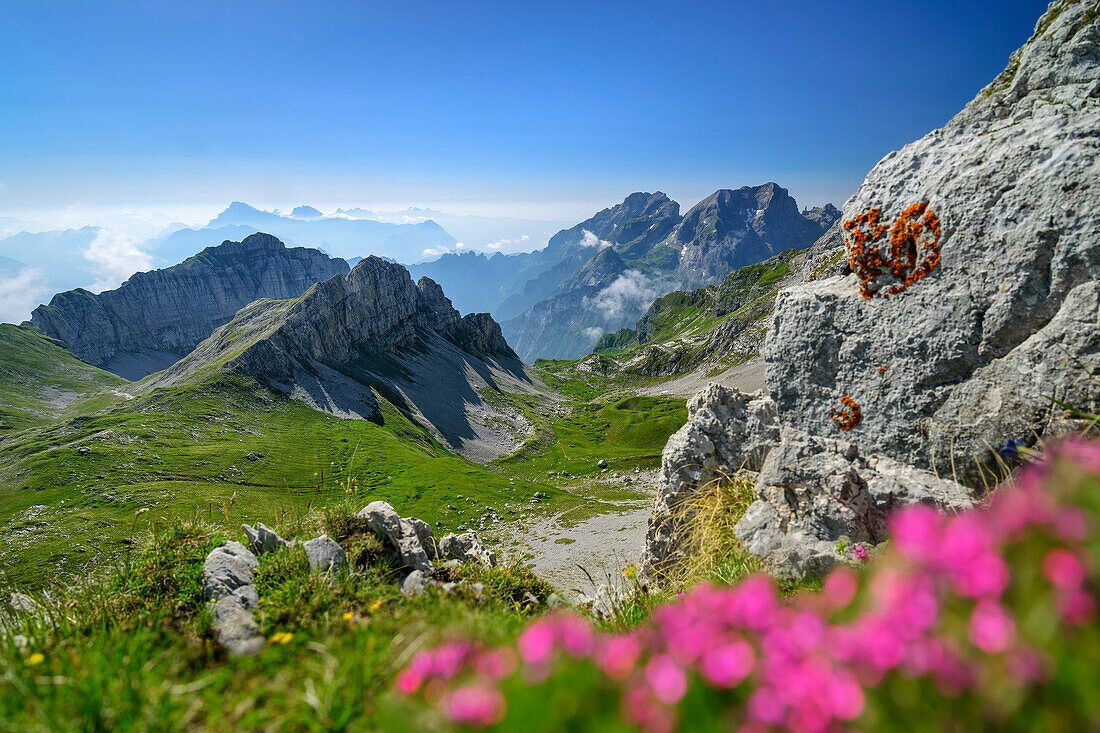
x: 617, y: 656
x: 728, y: 664
x: 536, y: 644
x: 475, y: 705
x: 1063, y: 569
x: 666, y: 679
x: 991, y: 628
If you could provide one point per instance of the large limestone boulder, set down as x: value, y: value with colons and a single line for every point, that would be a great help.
x: 727, y: 430
x: 962, y: 360
x: 815, y: 492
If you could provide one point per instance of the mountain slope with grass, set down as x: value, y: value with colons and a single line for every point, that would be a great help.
x: 715, y: 333
x: 40, y: 381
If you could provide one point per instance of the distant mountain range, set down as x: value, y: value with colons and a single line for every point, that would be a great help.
x: 306, y: 227
x: 602, y: 274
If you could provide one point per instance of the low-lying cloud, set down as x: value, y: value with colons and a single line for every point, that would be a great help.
x: 500, y: 244
x: 115, y: 257
x: 631, y: 292
x: 591, y: 240
x: 593, y: 332
x: 21, y: 293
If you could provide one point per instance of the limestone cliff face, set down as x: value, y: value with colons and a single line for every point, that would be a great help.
x: 154, y: 318
x: 375, y: 332
x: 987, y: 248
x: 965, y: 359
x: 374, y: 313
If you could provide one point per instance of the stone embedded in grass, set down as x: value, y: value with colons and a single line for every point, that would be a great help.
x: 401, y: 534
x: 22, y: 604
x: 467, y: 546
x: 228, y: 579
x: 227, y: 568
x: 324, y: 554
x: 416, y: 582
x: 263, y: 539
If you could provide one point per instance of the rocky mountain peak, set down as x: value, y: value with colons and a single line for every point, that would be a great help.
x: 156, y: 317
x: 732, y: 228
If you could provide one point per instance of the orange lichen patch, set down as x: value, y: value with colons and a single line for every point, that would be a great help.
x: 914, y: 250
x: 882, y: 370
x: 848, y: 417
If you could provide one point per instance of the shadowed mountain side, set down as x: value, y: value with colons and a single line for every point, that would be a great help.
x: 156, y: 317
x: 376, y: 332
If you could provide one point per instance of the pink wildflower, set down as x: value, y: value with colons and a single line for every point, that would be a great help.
x: 475, y: 705
x: 728, y: 664
x: 536, y: 644
x: 1063, y: 569
x: 991, y: 629
x: 666, y: 679
x: 617, y: 656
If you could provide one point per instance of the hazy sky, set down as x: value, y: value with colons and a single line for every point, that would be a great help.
x: 532, y: 109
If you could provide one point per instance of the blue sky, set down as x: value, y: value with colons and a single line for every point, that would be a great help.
x: 532, y: 109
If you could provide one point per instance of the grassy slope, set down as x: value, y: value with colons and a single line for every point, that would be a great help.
x: 135, y: 651
x: 40, y: 381
x: 183, y: 452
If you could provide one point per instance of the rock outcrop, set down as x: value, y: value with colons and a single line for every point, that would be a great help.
x: 818, y: 492
x: 967, y: 358
x: 155, y: 318
x: 970, y: 298
x: 727, y: 431
x: 372, y: 332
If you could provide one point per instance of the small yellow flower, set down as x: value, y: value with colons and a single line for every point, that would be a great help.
x: 375, y: 607
x: 282, y: 637
x: 36, y: 659
x: 286, y: 638
x: 348, y: 616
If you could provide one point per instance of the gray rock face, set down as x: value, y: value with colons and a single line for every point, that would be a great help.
x: 154, y: 318
x: 22, y: 604
x: 731, y: 229
x: 262, y: 540
x: 467, y: 546
x: 324, y: 554
x: 228, y: 568
x: 400, y: 534
x: 417, y: 582
x: 964, y: 359
x: 727, y: 430
x: 228, y: 580
x: 814, y: 492
x: 426, y: 536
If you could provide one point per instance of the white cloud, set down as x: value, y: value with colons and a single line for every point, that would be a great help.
x: 630, y: 292
x: 593, y: 332
x: 591, y: 240
x: 500, y: 244
x: 115, y: 257
x: 437, y: 251
x: 21, y: 293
